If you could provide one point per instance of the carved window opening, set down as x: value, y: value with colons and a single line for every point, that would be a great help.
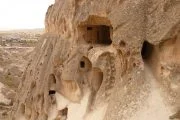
x: 147, y: 50
x: 52, y: 92
x: 95, y: 30
x: 52, y: 84
x: 82, y: 64
x: 98, y: 34
x: 85, y: 64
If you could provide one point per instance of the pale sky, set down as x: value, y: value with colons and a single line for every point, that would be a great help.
x: 23, y: 14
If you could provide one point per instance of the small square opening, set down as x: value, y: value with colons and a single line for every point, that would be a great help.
x: 82, y: 64
x: 52, y: 92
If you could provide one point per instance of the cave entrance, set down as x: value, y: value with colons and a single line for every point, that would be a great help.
x: 98, y: 34
x: 95, y: 30
x: 147, y: 51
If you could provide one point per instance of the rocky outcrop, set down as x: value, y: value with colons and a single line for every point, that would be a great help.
x: 13, y: 61
x: 90, y: 63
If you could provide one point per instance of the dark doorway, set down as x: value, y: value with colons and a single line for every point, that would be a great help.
x: 82, y: 64
x: 147, y: 50
x: 52, y: 84
x: 104, y: 35
x: 99, y: 34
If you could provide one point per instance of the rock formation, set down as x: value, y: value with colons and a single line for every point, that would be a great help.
x: 13, y: 61
x: 104, y: 60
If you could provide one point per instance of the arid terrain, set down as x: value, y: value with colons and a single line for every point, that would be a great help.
x: 21, y: 38
x: 99, y: 60
x: 15, y: 54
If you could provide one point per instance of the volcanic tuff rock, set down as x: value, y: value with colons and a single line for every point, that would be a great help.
x: 104, y: 60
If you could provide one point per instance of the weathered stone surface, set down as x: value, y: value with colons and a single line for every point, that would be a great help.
x: 88, y: 65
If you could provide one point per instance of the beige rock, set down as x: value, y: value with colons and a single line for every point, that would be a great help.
x: 94, y: 58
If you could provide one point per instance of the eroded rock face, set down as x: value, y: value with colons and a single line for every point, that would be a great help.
x: 13, y: 61
x: 89, y: 66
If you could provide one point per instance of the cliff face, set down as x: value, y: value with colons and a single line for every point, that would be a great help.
x: 93, y: 64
